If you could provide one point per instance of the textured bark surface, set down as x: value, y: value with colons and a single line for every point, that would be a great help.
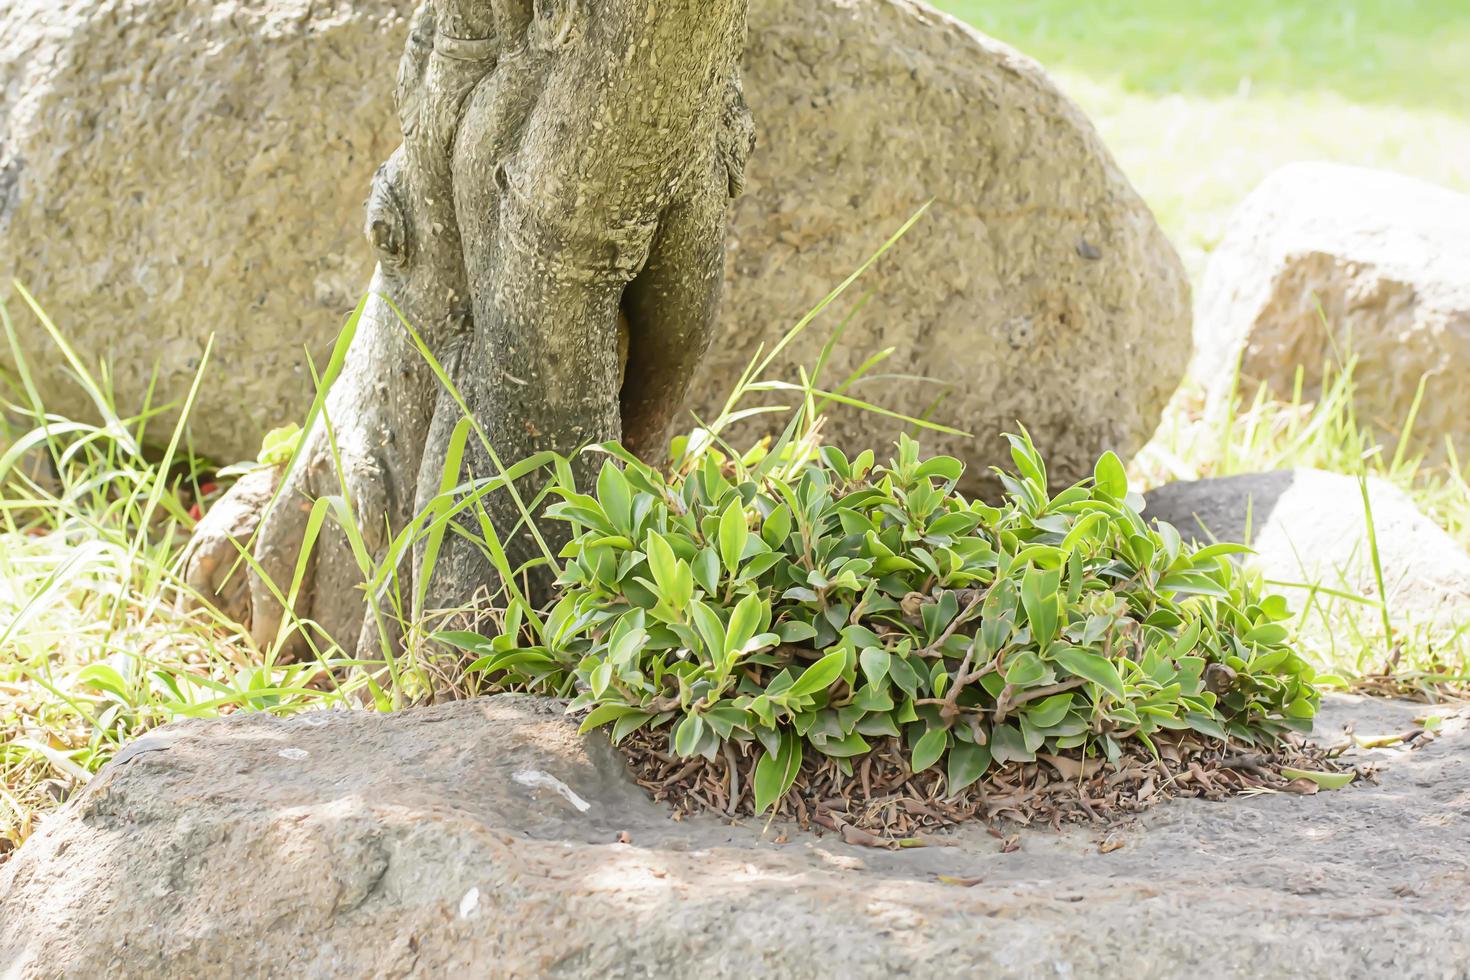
x: 565, y: 170
x: 172, y: 167
x: 488, y: 838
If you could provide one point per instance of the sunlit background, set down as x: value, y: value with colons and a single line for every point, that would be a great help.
x: 1200, y: 100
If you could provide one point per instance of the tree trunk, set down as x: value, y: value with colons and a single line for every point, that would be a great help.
x: 563, y: 179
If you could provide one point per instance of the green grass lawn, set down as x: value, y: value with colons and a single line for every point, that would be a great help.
x: 1201, y: 100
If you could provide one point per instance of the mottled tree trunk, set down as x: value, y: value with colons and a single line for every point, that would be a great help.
x: 564, y: 177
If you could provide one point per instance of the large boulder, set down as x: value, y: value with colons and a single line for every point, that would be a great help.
x: 1311, y: 527
x: 170, y: 169
x: 1038, y: 288
x: 488, y: 837
x: 1323, y: 261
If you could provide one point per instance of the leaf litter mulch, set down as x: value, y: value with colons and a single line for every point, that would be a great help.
x: 884, y: 804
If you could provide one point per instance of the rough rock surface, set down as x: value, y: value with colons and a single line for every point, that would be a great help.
x: 1387, y: 258
x: 1310, y: 526
x: 485, y: 836
x: 1037, y: 288
x: 170, y: 168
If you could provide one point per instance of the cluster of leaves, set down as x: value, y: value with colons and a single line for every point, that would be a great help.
x: 813, y: 603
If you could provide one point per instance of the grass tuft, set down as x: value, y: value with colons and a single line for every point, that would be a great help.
x: 1359, y: 638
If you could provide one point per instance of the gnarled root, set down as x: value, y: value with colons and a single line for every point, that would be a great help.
x: 213, y: 562
x: 330, y: 599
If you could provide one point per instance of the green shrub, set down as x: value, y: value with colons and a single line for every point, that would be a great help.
x: 807, y: 601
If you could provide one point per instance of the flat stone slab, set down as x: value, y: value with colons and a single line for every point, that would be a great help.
x: 488, y: 837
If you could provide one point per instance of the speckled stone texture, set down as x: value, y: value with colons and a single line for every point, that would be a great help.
x: 175, y: 168
x: 171, y: 168
x: 1325, y: 261
x: 483, y: 838
x: 1037, y: 289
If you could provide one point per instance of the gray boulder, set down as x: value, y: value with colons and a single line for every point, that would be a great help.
x: 1310, y: 527
x: 487, y: 837
x: 170, y: 169
x: 1322, y: 260
x: 1037, y: 288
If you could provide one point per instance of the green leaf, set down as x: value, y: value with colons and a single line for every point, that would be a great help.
x: 1301, y: 708
x: 706, y: 569
x: 600, y: 678
x: 928, y: 749
x: 464, y: 640
x: 687, y: 735
x: 1090, y: 666
x: 1083, y: 529
x: 278, y: 445
x: 104, y: 677
x: 947, y: 468
x: 733, y: 532
x: 1049, y: 711
x: 1324, y: 780
x: 1027, y: 459
x: 711, y: 630
x: 1025, y: 669
x: 628, y: 724
x: 844, y: 748
x: 1039, y: 597
x: 1110, y: 476
x: 1007, y: 744
x: 615, y: 496
x: 871, y: 698
x: 775, y: 775
x: 874, y: 661
x: 743, y: 623
x: 820, y: 675
x: 903, y: 675
x: 795, y: 631
x: 1206, y: 555
x: 1193, y: 583
x: 1206, y: 725
x: 661, y: 562
x: 777, y: 527
x: 605, y: 713
x: 967, y: 763
x: 1268, y: 634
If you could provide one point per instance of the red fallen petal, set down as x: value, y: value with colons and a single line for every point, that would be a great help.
x: 207, y: 488
x: 196, y: 513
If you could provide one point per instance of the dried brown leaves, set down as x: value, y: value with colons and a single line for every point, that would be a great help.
x: 884, y: 804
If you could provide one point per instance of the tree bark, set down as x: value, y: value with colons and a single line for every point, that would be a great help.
x: 559, y: 197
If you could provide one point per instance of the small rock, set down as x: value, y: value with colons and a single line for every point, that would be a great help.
x: 1308, y: 526
x: 1322, y: 260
